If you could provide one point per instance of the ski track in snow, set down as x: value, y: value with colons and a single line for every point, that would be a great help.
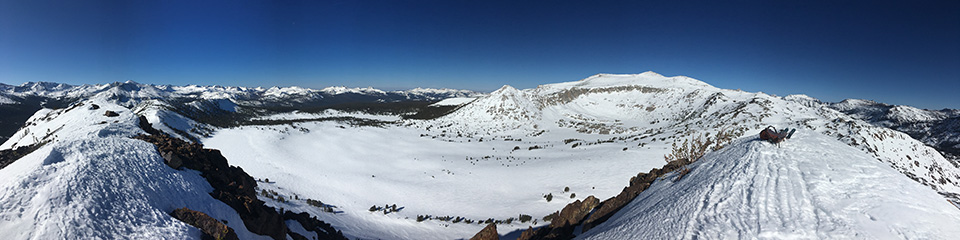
x: 811, y: 187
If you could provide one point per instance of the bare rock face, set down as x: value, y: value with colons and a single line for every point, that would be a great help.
x: 109, y: 113
x: 207, y: 224
x: 573, y: 213
x: 488, y: 233
x: 323, y: 231
x: 172, y: 160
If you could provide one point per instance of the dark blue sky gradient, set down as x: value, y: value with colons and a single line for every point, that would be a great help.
x: 905, y: 52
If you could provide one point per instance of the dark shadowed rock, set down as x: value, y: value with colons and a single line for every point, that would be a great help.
x: 145, y: 125
x: 488, y: 233
x: 111, y: 113
x: 208, y: 225
x: 323, y: 230
x: 8, y: 156
x: 171, y: 159
x: 94, y: 106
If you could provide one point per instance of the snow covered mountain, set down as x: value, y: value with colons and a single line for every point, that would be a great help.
x: 937, y: 128
x: 215, y: 105
x: 534, y: 161
x: 130, y: 93
x: 648, y: 104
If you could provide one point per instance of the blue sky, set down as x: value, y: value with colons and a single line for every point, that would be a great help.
x: 903, y: 52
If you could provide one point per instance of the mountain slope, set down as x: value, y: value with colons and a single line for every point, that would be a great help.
x: 937, y: 128
x: 811, y: 187
x: 649, y: 105
x: 91, y: 180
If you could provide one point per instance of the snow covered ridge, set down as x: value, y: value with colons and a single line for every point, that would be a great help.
x: 814, y: 187
x: 130, y: 93
x: 94, y: 178
x: 937, y: 128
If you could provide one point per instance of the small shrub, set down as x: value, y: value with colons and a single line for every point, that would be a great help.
x: 525, y: 218
x: 566, y: 189
x: 549, y: 197
x: 573, y: 195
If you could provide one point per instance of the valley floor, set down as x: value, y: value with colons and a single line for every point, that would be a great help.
x: 354, y: 168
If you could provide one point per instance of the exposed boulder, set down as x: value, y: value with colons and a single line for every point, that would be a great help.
x: 488, y: 233
x: 574, y: 212
x: 171, y: 159
x: 94, y: 106
x: 208, y: 225
x: 109, y: 113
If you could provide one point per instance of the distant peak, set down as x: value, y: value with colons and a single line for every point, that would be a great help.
x: 506, y: 88
x: 651, y: 74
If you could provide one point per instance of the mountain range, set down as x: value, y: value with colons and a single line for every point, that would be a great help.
x: 119, y: 160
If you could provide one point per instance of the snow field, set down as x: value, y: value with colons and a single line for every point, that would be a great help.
x: 354, y: 168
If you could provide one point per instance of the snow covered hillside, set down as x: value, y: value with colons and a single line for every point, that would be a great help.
x: 649, y: 105
x: 92, y: 181
x: 937, y: 128
x: 811, y: 187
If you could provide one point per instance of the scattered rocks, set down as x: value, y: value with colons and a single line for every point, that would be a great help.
x: 109, y: 113
x: 488, y: 233
x: 208, y: 225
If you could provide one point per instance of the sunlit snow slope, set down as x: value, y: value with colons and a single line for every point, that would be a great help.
x: 92, y: 181
x: 812, y: 187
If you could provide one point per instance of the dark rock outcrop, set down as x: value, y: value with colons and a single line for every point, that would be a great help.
x: 323, y: 230
x: 109, y: 113
x: 488, y: 233
x: 208, y: 225
x: 145, y: 125
x: 231, y: 184
x: 8, y: 156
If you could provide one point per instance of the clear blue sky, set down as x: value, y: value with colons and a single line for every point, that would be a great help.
x: 904, y: 52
